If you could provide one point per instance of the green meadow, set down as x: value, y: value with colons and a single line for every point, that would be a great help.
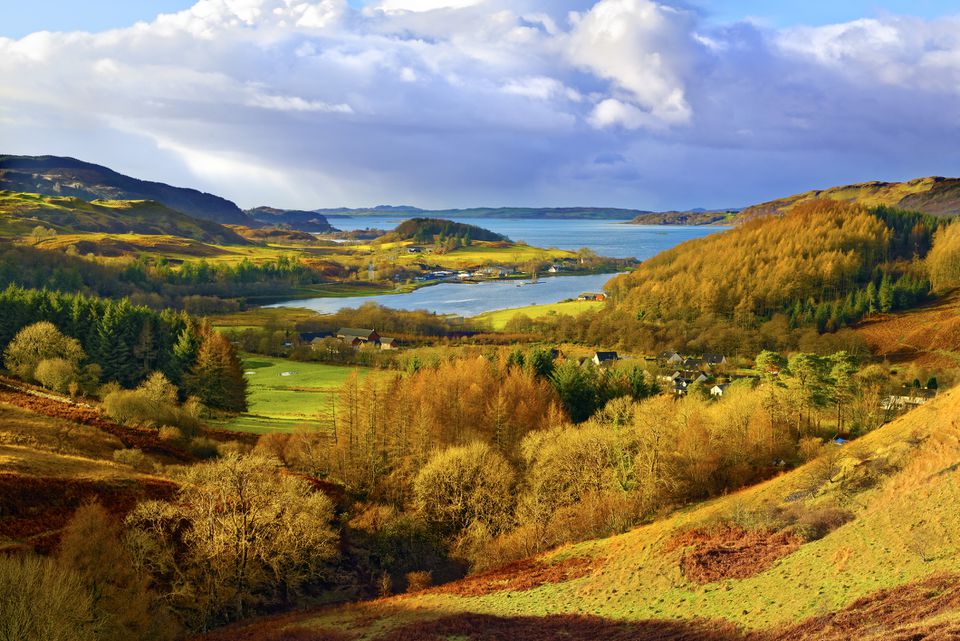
x: 285, y: 393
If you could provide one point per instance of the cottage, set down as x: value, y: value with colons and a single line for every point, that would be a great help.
x: 388, y: 343
x: 691, y: 363
x: 715, y: 359
x: 605, y: 358
x: 669, y: 357
x: 592, y: 296
x: 554, y: 269
x: 358, y: 337
x: 718, y: 390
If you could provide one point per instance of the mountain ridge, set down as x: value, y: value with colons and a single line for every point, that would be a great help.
x: 66, y: 176
x: 934, y: 195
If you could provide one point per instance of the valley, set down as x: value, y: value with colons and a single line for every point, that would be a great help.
x: 599, y: 431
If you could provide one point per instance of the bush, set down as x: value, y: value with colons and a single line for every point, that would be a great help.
x: 419, y: 581
x: 133, y: 457
x: 152, y: 404
x: 170, y: 434
x: 204, y: 448
x: 815, y: 524
x: 55, y: 374
x: 39, y: 342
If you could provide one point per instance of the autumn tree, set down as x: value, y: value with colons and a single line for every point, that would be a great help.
x: 42, y: 601
x: 38, y: 342
x: 239, y: 533
x: 462, y: 486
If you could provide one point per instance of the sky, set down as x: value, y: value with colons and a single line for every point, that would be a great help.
x: 648, y: 104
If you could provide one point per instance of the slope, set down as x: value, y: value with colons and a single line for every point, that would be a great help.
x: 933, y: 195
x: 309, y: 221
x: 56, y: 455
x: 58, y: 176
x: 20, y: 212
x: 861, y: 542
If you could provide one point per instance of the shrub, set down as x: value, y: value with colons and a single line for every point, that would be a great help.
x: 204, y: 448
x: 815, y: 524
x: 152, y: 404
x: 38, y: 342
x: 56, y: 374
x: 419, y: 581
x: 133, y: 457
x: 170, y: 434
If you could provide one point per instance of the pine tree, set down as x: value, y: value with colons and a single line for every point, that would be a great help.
x: 217, y: 378
x: 885, y: 296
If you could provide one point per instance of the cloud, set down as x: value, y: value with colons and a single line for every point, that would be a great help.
x: 645, y: 49
x: 307, y: 103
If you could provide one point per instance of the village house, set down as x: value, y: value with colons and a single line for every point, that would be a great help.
x: 670, y: 357
x: 554, y: 269
x: 718, y: 390
x: 596, y: 296
x: 602, y: 359
x: 715, y: 360
x: 909, y: 398
x: 358, y: 337
x: 389, y: 343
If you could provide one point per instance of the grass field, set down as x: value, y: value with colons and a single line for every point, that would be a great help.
x: 498, y: 320
x: 899, y: 530
x: 285, y: 394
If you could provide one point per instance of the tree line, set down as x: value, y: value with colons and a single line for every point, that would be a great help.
x: 120, y: 342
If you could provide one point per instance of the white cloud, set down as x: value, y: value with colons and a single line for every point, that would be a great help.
x: 645, y: 49
x: 455, y: 102
x: 424, y: 5
x: 296, y: 103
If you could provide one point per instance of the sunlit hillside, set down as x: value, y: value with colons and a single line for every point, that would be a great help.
x: 860, y: 542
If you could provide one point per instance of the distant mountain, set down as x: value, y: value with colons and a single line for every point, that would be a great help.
x: 934, y: 195
x: 310, y: 221
x: 59, y: 176
x: 21, y: 212
x: 545, y: 213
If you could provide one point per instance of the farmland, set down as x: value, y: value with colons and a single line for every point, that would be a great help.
x: 285, y: 394
x: 498, y: 320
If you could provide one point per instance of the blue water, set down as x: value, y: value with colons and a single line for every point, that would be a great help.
x: 606, y: 238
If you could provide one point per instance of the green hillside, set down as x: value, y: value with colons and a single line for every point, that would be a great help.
x: 933, y: 195
x: 861, y: 542
x: 424, y: 230
x: 60, y: 176
x: 22, y: 212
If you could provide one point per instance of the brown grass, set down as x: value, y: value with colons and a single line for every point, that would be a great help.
x: 921, y: 335
x: 726, y: 552
x: 12, y: 393
x: 898, y: 613
x: 520, y: 576
x: 570, y: 627
x: 34, y: 509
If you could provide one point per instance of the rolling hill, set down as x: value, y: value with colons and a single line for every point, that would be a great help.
x: 59, y: 176
x: 934, y: 195
x: 861, y: 542
x: 309, y: 221
x: 20, y: 212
